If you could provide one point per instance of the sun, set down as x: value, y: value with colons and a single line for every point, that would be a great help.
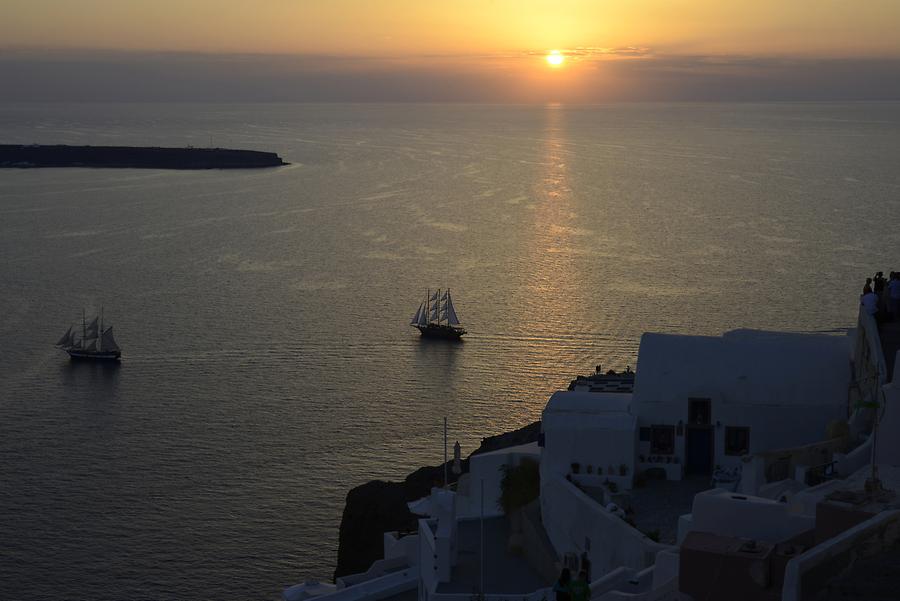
x: 555, y: 58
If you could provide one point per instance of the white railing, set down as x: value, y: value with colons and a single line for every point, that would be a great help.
x: 543, y: 594
x: 377, y: 588
x: 830, y: 557
x: 869, y: 367
x: 570, y: 515
x: 427, y: 555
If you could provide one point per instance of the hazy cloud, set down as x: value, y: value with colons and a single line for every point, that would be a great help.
x: 603, y: 74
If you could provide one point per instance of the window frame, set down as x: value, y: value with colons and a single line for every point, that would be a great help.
x: 657, y: 450
x: 730, y: 450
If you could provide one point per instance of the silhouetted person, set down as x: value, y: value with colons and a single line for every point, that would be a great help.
x: 894, y: 295
x: 562, y: 587
x: 869, y: 300
x: 580, y: 587
x: 878, y: 286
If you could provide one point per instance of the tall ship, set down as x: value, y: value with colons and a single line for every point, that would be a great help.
x: 436, y: 317
x: 95, y: 344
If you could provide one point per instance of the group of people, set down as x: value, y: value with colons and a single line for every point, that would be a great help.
x: 567, y: 589
x: 881, y: 296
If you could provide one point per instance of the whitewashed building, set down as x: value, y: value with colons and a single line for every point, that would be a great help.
x: 705, y: 401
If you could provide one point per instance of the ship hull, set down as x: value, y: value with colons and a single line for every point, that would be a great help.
x: 82, y: 355
x: 441, y: 331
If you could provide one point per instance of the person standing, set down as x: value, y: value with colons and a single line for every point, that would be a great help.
x: 869, y: 301
x: 562, y: 587
x: 878, y: 286
x: 581, y: 588
x: 893, y: 287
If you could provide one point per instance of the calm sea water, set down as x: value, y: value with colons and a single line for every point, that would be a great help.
x: 268, y: 362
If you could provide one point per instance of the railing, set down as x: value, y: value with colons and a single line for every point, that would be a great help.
x: 377, y: 588
x: 807, y: 573
x: 821, y: 473
x: 780, y: 464
x: 427, y: 555
x: 542, y: 594
x: 869, y: 367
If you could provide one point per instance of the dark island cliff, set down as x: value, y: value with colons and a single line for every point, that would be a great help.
x: 378, y: 507
x: 134, y: 157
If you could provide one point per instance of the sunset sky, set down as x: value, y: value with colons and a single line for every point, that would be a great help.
x: 464, y: 50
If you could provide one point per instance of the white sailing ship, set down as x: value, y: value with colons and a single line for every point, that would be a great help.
x: 95, y: 344
x: 436, y: 317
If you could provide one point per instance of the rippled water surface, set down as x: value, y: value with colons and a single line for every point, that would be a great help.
x: 268, y: 363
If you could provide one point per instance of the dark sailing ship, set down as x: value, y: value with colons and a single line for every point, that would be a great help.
x: 95, y: 344
x: 436, y: 317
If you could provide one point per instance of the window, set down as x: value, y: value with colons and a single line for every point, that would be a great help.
x: 737, y: 441
x: 699, y: 412
x: 644, y: 434
x: 662, y: 440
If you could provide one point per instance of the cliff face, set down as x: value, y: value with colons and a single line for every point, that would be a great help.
x: 134, y: 157
x: 377, y: 507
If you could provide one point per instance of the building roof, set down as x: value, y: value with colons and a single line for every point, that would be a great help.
x: 589, y: 410
x: 744, y: 367
x: 583, y: 401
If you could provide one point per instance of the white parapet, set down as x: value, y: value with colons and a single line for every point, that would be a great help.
x: 883, y: 529
x: 743, y: 516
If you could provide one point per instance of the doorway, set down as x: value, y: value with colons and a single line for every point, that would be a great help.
x: 699, y: 437
x: 699, y: 450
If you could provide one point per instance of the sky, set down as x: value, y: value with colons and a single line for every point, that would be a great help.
x: 425, y: 50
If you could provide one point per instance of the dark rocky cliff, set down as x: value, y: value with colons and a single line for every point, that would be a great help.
x: 134, y: 157
x: 377, y: 507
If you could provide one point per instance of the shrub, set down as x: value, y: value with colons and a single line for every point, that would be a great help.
x: 519, y: 486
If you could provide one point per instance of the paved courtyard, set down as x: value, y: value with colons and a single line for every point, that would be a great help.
x: 658, y: 504
x: 503, y: 572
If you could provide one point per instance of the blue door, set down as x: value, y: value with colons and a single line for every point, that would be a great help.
x: 699, y: 450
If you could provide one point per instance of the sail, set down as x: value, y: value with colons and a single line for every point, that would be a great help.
x: 91, y: 331
x: 452, y: 319
x: 418, y: 316
x: 92, y: 346
x: 434, y: 313
x: 107, y: 342
x: 66, y: 340
x: 434, y: 296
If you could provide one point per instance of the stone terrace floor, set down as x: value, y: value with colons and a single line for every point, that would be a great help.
x: 658, y: 504
x: 503, y: 572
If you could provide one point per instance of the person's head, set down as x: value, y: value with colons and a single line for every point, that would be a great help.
x: 868, y: 281
x: 867, y: 288
x: 880, y: 274
x: 565, y: 575
x: 582, y: 575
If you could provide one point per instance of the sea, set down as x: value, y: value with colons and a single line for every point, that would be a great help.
x: 268, y: 361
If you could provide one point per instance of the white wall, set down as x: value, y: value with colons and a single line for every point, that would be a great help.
x: 730, y: 514
x: 486, y: 467
x: 888, y: 447
x: 785, y: 387
x: 591, y: 429
x: 570, y: 516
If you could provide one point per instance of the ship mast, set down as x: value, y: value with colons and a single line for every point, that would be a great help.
x: 83, y: 328
x: 439, y: 307
x: 100, y: 337
x: 427, y: 304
